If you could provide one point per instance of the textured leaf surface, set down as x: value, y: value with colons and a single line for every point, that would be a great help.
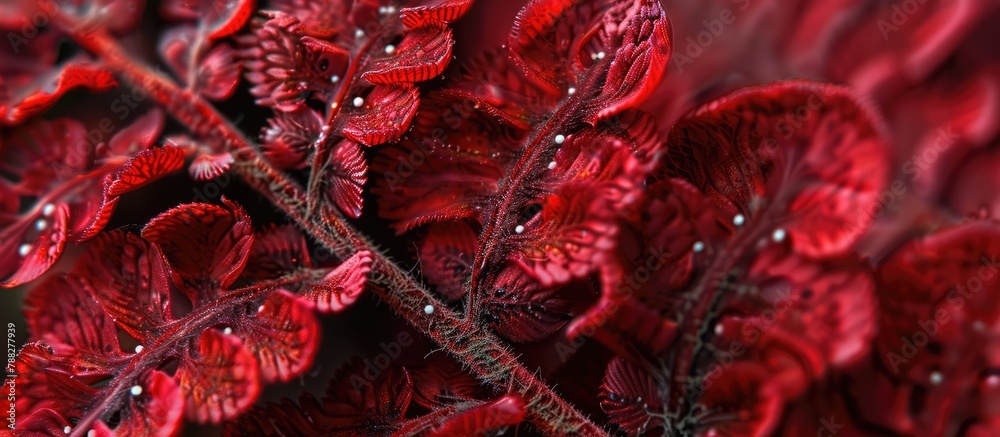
x: 214, y: 74
x: 361, y: 403
x: 503, y: 412
x: 207, y: 245
x: 570, y: 237
x: 521, y: 310
x: 61, y: 313
x: 224, y: 342
x: 384, y: 116
x: 220, y: 378
x: 813, y: 151
x: 627, y: 394
x: 22, y: 97
x: 446, y: 257
x: 276, y: 250
x: 284, y: 336
x: 58, y: 189
x: 130, y: 278
x: 948, y: 278
x: 342, y: 286
x: 289, y: 136
x: 349, y: 172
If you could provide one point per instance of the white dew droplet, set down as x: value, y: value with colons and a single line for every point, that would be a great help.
x: 24, y: 250
x: 519, y: 229
x: 41, y: 224
x: 739, y: 219
x: 778, y: 235
x: 358, y: 33
x: 719, y: 329
x: 334, y: 79
x: 936, y: 378
x: 390, y: 49
x: 552, y: 165
x: 139, y: 348
x: 359, y: 102
x: 429, y: 309
x: 48, y: 209
x: 698, y: 246
x: 571, y: 91
x: 600, y: 55
x: 993, y: 380
x: 67, y: 429
x: 136, y: 390
x: 91, y: 433
x: 560, y: 139
x: 260, y: 309
x: 227, y: 331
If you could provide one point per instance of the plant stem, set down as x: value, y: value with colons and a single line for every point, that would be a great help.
x: 165, y: 343
x: 485, y: 354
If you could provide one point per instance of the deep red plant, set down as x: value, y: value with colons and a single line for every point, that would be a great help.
x: 610, y: 222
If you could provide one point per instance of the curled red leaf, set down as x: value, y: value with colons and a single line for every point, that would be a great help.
x: 570, y: 238
x: 446, y: 257
x: 503, y: 412
x: 288, y: 139
x: 421, y: 55
x: 384, y: 115
x: 342, y: 286
x: 628, y: 395
x: 220, y: 378
x: 433, y: 12
x: 521, y: 310
x: 130, y: 278
x: 349, y: 172
x: 776, y: 142
x: 74, y: 185
x: 22, y: 97
x: 207, y: 245
x: 284, y: 336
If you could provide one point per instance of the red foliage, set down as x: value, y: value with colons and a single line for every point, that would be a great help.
x: 224, y: 346
x: 606, y: 222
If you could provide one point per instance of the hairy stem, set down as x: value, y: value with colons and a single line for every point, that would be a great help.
x: 477, y: 348
x: 472, y: 345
